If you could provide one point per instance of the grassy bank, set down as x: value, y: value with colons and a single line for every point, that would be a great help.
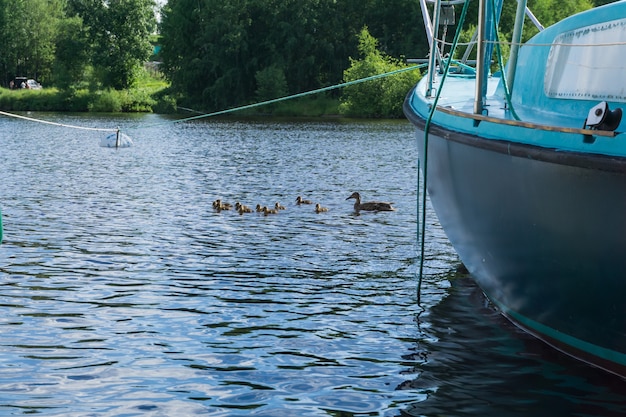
x: 141, y: 99
x: 150, y: 96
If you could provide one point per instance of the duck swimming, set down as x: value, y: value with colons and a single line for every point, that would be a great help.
x: 320, y: 209
x: 241, y: 208
x: 370, y: 205
x: 299, y: 201
x: 219, y: 205
x: 267, y: 211
x: 278, y: 206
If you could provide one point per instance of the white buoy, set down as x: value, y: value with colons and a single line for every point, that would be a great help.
x: 116, y: 140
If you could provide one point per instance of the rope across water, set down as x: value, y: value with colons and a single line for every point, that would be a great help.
x: 31, y: 119
x: 298, y: 95
x: 232, y: 110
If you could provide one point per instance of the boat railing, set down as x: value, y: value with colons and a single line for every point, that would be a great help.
x: 443, y: 15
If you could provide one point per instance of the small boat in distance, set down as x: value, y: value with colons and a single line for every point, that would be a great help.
x: 526, y: 171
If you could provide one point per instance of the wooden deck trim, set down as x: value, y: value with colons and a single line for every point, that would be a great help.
x: 528, y: 125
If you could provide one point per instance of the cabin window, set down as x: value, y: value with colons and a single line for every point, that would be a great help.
x: 588, y: 63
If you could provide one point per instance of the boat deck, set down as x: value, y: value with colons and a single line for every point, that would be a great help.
x: 457, y: 99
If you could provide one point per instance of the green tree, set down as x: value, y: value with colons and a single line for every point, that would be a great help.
x: 72, y: 53
x: 377, y: 98
x: 398, y: 27
x: 28, y: 31
x: 119, y: 35
x: 212, y: 50
x: 205, y: 51
x: 548, y: 12
x: 271, y: 83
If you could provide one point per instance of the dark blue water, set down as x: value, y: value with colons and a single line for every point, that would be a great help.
x: 123, y: 293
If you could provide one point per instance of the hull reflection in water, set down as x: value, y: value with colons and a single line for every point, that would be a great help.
x: 472, y: 361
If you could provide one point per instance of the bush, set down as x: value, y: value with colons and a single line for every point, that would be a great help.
x: 271, y: 83
x: 106, y: 102
x: 165, y: 104
x: 379, y: 98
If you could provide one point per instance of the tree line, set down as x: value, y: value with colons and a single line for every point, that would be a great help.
x: 217, y: 51
x: 225, y: 53
x: 220, y: 54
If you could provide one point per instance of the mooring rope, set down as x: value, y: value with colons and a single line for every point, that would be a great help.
x: 232, y: 110
x: 32, y: 119
x: 277, y: 100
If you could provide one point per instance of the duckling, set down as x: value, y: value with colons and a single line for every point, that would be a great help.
x: 299, y: 201
x: 219, y: 205
x: 371, y: 205
x: 320, y: 209
x: 244, y: 209
x: 267, y: 211
x: 278, y: 206
x: 259, y: 208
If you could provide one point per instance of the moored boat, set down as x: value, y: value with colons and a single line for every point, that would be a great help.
x: 526, y: 171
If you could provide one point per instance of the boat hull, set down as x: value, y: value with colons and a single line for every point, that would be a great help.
x: 542, y: 231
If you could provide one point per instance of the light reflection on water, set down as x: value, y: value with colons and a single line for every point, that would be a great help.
x: 124, y: 293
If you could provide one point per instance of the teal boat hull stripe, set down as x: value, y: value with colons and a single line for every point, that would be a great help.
x: 564, y: 342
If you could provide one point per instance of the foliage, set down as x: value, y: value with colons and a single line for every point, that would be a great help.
x: 40, y: 100
x: 28, y: 29
x: 119, y: 37
x: 106, y: 101
x: 549, y: 12
x: 379, y: 98
x: 312, y: 106
x: 214, y: 51
x: 271, y: 83
x: 71, y: 55
x: 318, y: 105
x: 151, y: 96
x: 220, y: 54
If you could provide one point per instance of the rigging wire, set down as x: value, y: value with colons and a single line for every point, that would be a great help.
x: 425, y: 156
x: 507, y: 92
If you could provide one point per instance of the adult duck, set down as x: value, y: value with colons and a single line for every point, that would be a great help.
x: 370, y: 205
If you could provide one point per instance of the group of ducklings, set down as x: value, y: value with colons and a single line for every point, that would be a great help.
x: 220, y: 205
x: 318, y: 206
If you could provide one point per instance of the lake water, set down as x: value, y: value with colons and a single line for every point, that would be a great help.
x: 123, y: 293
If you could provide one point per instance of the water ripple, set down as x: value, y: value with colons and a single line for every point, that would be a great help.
x: 124, y: 293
